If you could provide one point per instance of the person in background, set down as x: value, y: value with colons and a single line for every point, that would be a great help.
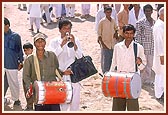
x: 85, y: 10
x: 13, y: 61
x: 28, y: 50
x: 100, y: 14
x: 24, y: 6
x: 70, y: 10
x: 34, y: 12
x: 144, y: 36
x: 123, y: 17
x: 158, y: 60
x: 106, y: 29
x: 127, y: 64
x: 57, y: 11
x: 45, y: 9
x: 66, y: 56
x: 135, y: 14
x: 47, y: 63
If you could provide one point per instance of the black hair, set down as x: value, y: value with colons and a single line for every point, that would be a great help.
x: 107, y: 8
x: 148, y: 6
x: 27, y: 45
x: 64, y: 22
x: 6, y: 21
x: 128, y: 27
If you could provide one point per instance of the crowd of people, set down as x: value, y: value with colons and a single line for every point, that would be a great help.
x: 117, y: 32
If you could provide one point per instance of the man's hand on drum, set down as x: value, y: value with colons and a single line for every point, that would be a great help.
x: 138, y: 60
x: 29, y: 91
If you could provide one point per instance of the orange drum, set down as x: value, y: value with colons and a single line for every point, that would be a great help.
x: 124, y: 85
x: 54, y: 92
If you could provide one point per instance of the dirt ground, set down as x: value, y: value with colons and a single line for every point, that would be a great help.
x: 92, y: 98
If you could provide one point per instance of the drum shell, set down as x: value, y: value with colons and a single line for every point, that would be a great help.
x: 49, y: 92
x: 121, y: 85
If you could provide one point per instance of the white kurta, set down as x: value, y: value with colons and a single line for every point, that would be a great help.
x: 158, y: 33
x: 66, y: 56
x: 132, y: 19
x: 34, y: 10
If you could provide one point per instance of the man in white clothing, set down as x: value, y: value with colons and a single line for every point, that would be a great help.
x: 35, y: 16
x: 124, y: 61
x: 135, y: 14
x: 66, y: 56
x: 158, y: 61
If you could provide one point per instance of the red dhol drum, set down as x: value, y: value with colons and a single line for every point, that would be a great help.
x: 124, y: 85
x: 54, y: 92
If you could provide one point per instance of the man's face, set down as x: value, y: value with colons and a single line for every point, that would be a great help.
x: 40, y: 44
x: 65, y: 29
x: 108, y: 13
x: 6, y: 28
x: 28, y: 51
x: 148, y: 12
x: 129, y: 35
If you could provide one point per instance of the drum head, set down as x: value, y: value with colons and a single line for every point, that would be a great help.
x: 38, y: 92
x: 135, y: 85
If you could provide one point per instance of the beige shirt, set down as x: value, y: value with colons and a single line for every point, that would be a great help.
x: 123, y: 17
x: 106, y: 30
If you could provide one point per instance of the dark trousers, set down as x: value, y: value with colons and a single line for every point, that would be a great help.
x: 47, y: 107
x: 120, y: 104
x: 6, y: 85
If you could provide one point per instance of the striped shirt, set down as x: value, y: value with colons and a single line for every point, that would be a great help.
x: 144, y: 35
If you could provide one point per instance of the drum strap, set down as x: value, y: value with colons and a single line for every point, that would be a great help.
x: 36, y: 66
x: 135, y: 53
x: 125, y: 87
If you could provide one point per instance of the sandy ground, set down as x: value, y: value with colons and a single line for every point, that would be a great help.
x: 92, y: 98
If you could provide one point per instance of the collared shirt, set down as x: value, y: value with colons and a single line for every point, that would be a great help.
x: 66, y: 56
x: 132, y: 19
x: 144, y: 35
x: 47, y: 67
x: 100, y: 14
x: 106, y: 30
x: 124, y: 57
x: 13, y: 53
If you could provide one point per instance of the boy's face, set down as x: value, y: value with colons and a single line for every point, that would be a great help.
x: 28, y: 51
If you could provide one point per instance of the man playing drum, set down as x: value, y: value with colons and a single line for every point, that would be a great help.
x: 124, y: 61
x: 40, y: 67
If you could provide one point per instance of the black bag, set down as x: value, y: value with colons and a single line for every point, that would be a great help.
x: 82, y: 68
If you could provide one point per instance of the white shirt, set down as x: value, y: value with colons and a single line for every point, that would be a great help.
x: 158, y: 34
x: 34, y: 10
x: 66, y: 56
x: 124, y: 58
x: 132, y: 19
x: 100, y: 14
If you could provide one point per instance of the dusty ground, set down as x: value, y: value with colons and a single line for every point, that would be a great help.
x: 92, y: 98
